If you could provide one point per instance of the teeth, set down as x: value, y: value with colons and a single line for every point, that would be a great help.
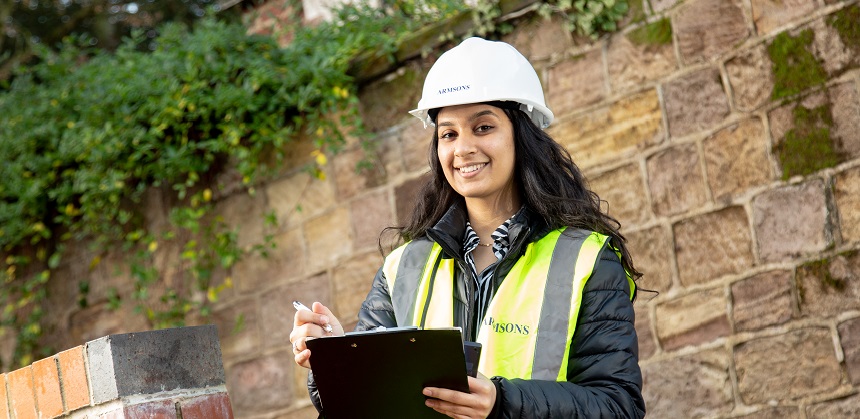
x: 472, y: 168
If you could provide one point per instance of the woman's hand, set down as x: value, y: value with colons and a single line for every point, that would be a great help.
x: 311, y: 324
x: 478, y: 403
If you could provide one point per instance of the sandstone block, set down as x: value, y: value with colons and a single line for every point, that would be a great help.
x: 828, y: 287
x: 261, y: 384
x: 328, y: 239
x: 652, y: 255
x: 632, y: 63
x: 786, y: 412
x: 608, y: 133
x: 623, y: 189
x: 370, y: 214
x: 415, y: 141
x: 285, y: 262
x: 830, y: 47
x: 770, y: 15
x: 845, y: 98
x: 695, y: 102
x: 391, y: 98
x: 661, y: 5
x: 278, y: 313
x: 712, y: 245
x: 736, y: 159
x: 647, y: 344
x: 799, y: 363
x: 352, y: 179
x: 308, y: 412
x: 693, y: 319
x: 791, y: 221
x: 751, y: 78
x: 405, y: 196
x: 675, y: 180
x: 762, y: 300
x: 541, y: 39
x: 700, y: 386
x: 707, y: 28
x: 576, y: 83
x: 846, y: 190
x: 238, y: 328
x: 352, y: 280
x: 849, y: 337
x: 299, y: 197
x: 100, y: 319
x: 846, y: 407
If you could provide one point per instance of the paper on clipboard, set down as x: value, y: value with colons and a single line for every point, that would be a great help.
x: 381, y: 374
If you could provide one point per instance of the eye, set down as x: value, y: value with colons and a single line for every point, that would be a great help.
x: 483, y: 128
x: 447, y: 135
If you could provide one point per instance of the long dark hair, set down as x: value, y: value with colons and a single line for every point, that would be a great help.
x: 549, y: 181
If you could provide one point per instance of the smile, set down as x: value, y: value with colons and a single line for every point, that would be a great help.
x: 472, y: 168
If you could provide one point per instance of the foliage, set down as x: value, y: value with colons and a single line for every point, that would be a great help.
x: 655, y: 33
x: 587, y: 17
x: 807, y: 147
x: 845, y: 22
x: 795, y: 68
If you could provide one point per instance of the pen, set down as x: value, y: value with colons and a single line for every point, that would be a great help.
x: 300, y: 306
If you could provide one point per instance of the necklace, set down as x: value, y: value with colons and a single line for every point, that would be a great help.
x: 485, y: 245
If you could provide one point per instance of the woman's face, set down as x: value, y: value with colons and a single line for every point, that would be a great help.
x: 476, y: 151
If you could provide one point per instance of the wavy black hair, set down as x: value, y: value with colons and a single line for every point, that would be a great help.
x: 548, y: 181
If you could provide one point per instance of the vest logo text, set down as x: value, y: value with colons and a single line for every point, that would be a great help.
x: 506, y: 327
x: 454, y: 89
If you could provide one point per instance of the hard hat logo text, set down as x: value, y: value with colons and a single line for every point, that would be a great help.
x: 454, y: 89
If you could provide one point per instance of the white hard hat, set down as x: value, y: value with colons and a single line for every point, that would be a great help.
x: 478, y: 71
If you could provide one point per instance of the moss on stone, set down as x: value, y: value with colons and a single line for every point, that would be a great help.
x: 795, y: 68
x: 807, y: 147
x: 847, y: 24
x: 655, y: 33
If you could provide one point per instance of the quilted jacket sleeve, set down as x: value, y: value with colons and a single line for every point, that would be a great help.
x: 604, y: 379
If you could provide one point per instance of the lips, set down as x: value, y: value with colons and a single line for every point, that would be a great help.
x: 471, y: 168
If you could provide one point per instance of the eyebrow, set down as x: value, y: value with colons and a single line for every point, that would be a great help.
x: 475, y: 116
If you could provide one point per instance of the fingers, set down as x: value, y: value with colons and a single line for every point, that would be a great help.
x: 478, y: 403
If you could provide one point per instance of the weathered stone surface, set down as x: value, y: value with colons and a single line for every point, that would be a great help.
x: 785, y: 412
x: 696, y: 385
x: 781, y: 119
x: 736, y: 159
x: 608, y: 133
x: 770, y: 15
x: 370, y: 214
x: 238, y: 328
x: 762, y: 300
x: 415, y: 142
x: 277, y: 313
x: 693, y: 319
x: 647, y: 343
x: 390, y: 99
x: 846, y: 190
x: 329, y: 239
x: 261, y: 384
x: 675, y: 180
x: 846, y: 118
x: 652, y: 255
x: 352, y: 180
x: 791, y: 221
x: 623, y: 189
x: 829, y: 286
x: 308, y: 412
x: 695, y: 102
x: 268, y: 20
x: 576, y: 83
x: 847, y: 407
x: 660, y: 5
x: 352, y: 280
x: 298, y: 197
x: 829, y: 47
x: 788, y: 366
x: 284, y: 263
x: 849, y: 338
x: 540, y: 39
x: 630, y: 65
x: 707, y: 28
x: 751, y: 78
x: 712, y: 245
x: 99, y: 320
x: 405, y: 195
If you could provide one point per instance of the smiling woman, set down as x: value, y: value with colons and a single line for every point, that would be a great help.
x: 507, y: 243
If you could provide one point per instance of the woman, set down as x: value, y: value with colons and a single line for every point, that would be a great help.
x: 507, y: 243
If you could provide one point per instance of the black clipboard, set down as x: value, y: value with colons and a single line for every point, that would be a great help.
x: 381, y: 374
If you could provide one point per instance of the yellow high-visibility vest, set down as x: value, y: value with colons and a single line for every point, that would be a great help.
x: 532, y: 316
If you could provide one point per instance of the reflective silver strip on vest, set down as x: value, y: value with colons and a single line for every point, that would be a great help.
x: 410, y: 271
x: 555, y: 311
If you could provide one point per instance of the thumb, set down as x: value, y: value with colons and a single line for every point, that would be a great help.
x: 322, y: 310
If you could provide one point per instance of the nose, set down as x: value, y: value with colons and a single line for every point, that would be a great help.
x: 465, y: 145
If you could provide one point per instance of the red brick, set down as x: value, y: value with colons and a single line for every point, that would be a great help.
x: 73, y: 378
x: 4, y: 407
x: 213, y: 406
x: 163, y: 409
x: 22, y: 401
x: 46, y: 384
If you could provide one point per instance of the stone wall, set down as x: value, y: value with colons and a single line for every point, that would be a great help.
x: 723, y: 134
x: 168, y: 374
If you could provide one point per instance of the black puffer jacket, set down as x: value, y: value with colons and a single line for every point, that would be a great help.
x: 604, y: 379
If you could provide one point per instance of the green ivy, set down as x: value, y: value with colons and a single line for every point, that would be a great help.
x: 588, y: 18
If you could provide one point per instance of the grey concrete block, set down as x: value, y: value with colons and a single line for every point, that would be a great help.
x: 101, y: 372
